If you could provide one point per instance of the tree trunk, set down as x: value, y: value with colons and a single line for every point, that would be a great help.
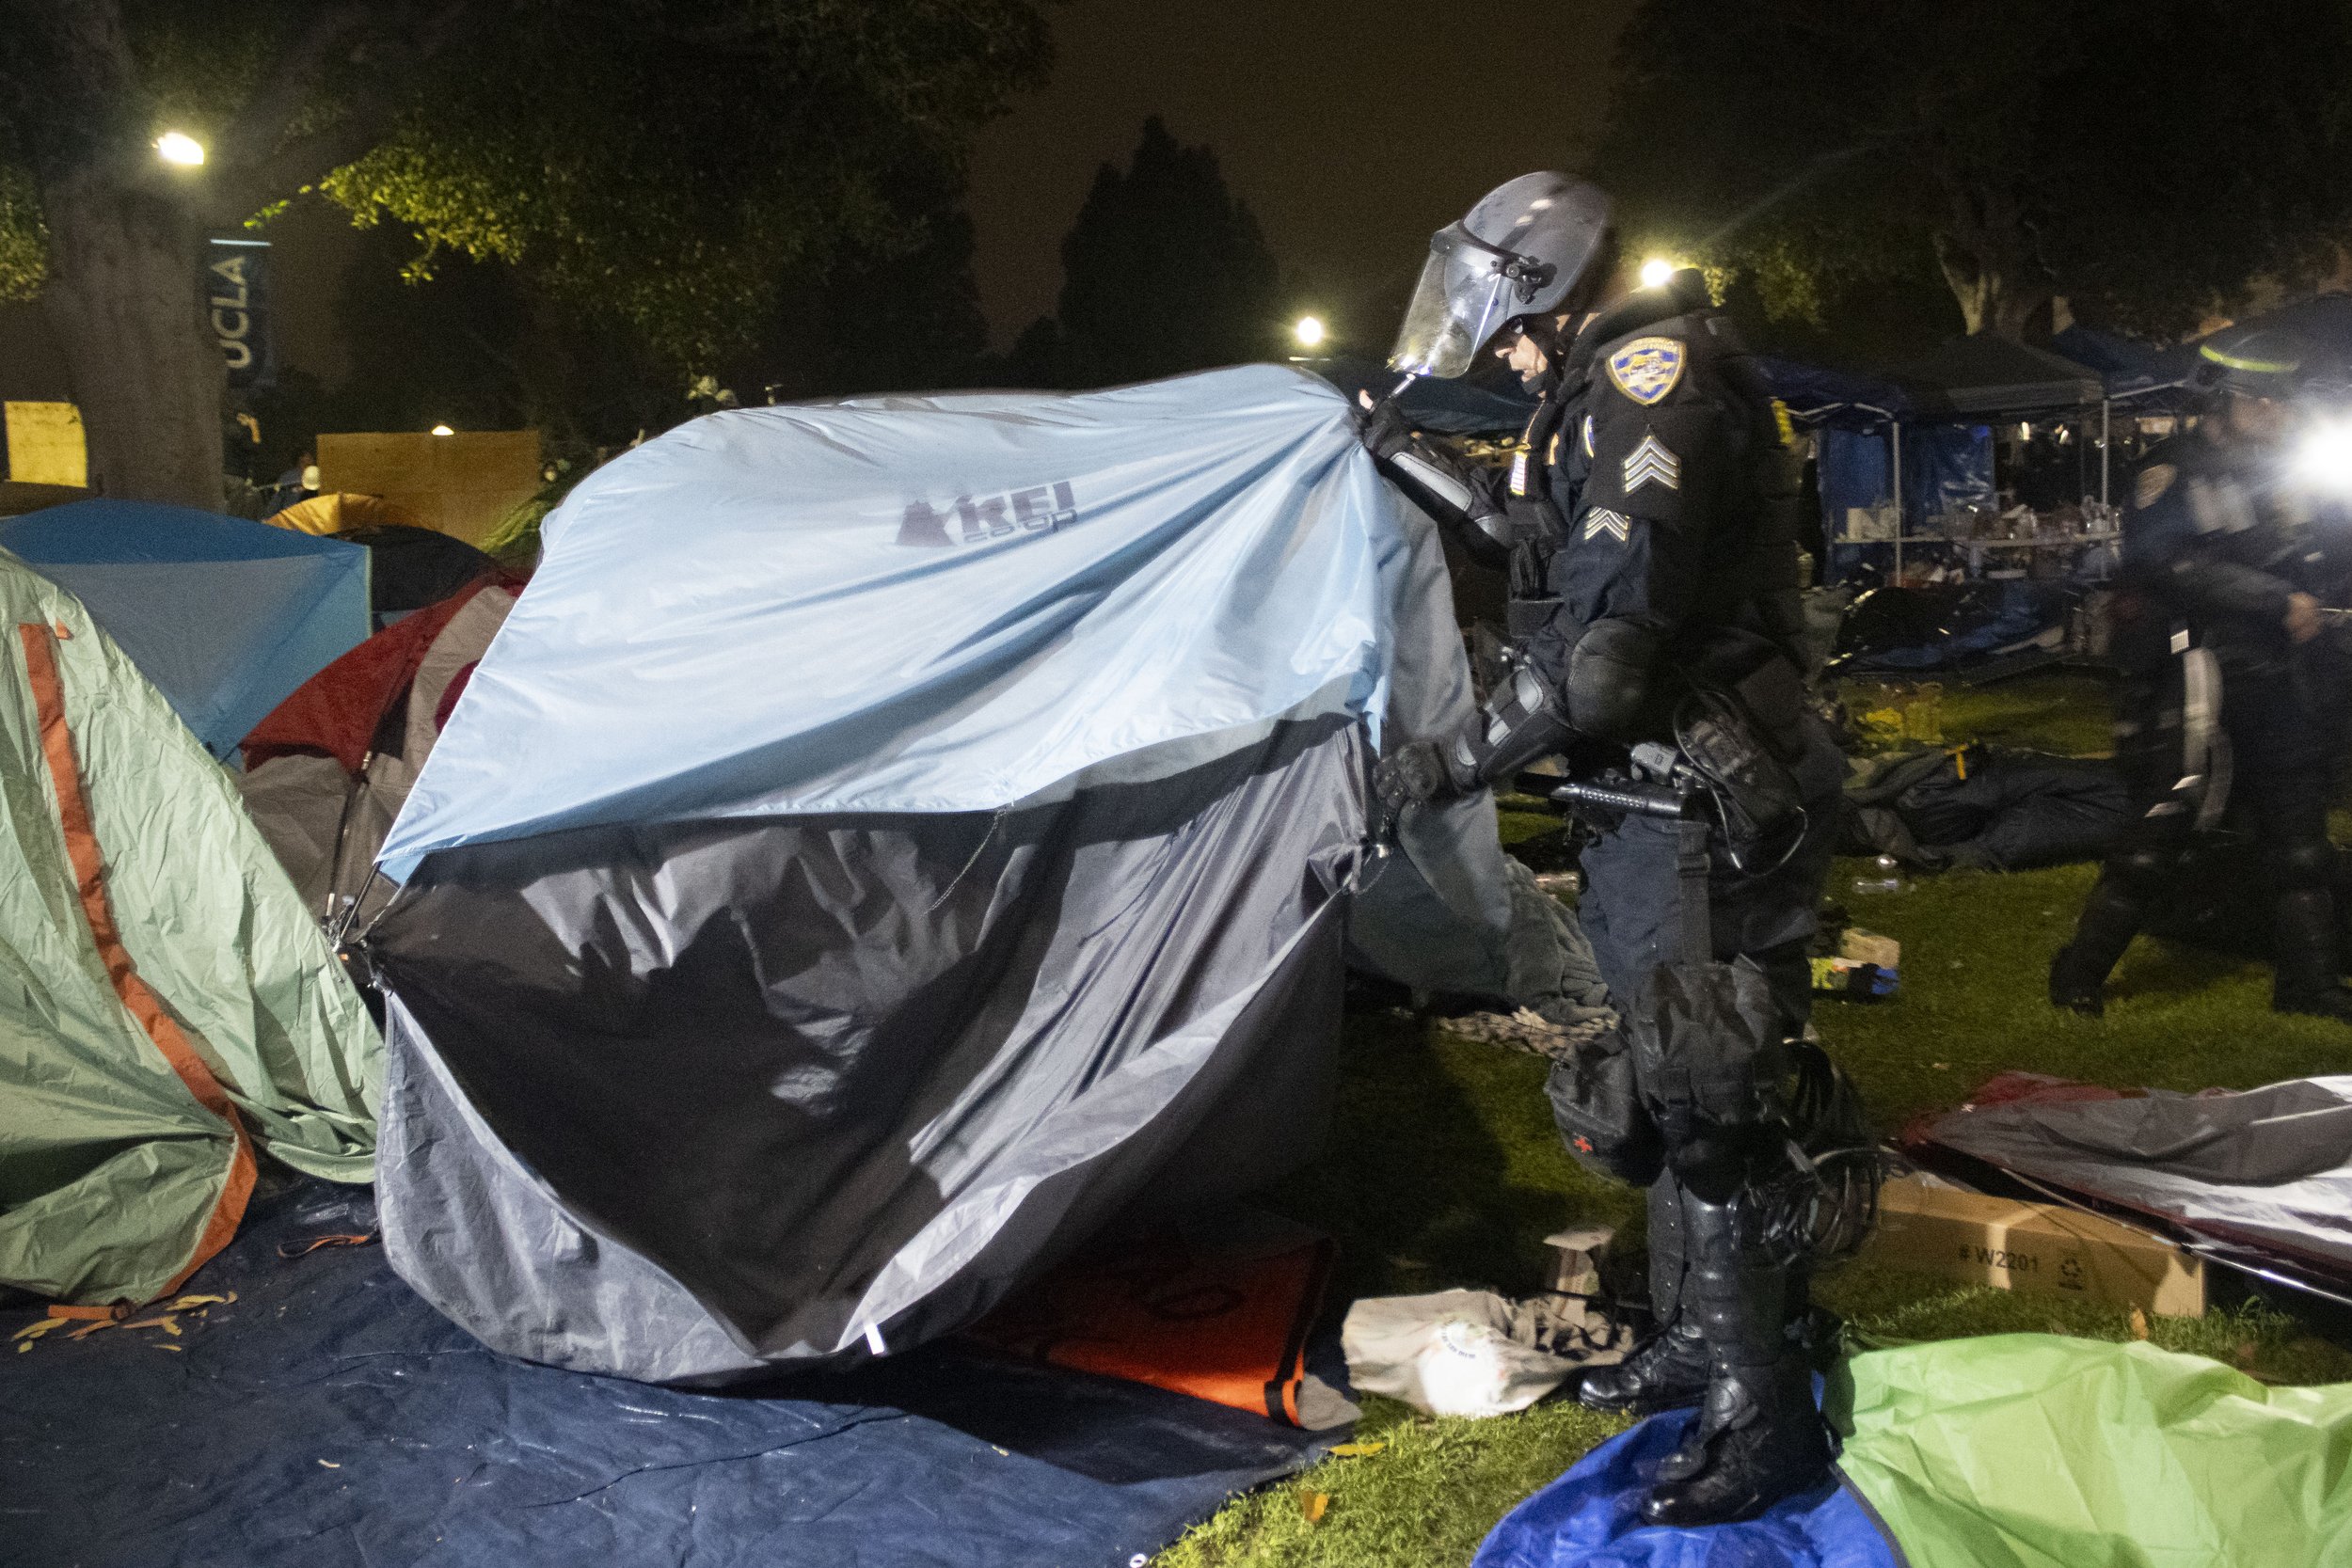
x: 1988, y: 262
x: 125, y: 302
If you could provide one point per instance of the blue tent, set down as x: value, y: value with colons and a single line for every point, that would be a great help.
x: 225, y: 616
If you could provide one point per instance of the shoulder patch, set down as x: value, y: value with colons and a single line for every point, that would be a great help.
x: 2155, y: 480
x: 1647, y: 368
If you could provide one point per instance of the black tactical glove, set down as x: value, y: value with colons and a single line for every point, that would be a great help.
x: 1413, y: 775
x: 1383, y: 428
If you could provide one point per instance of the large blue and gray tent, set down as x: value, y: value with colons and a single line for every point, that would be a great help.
x: 890, y: 838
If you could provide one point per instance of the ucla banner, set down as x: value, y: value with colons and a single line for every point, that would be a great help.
x: 236, y: 310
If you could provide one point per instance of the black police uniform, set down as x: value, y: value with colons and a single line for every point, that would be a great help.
x: 1653, y: 516
x: 2215, y: 544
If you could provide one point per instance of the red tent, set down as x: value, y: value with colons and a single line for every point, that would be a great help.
x: 326, y: 771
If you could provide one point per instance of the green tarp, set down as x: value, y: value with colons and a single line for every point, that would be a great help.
x: 2029, y: 1451
x: 111, y: 1170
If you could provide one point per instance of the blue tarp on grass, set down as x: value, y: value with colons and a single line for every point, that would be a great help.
x: 1591, y: 1519
x: 329, y: 1418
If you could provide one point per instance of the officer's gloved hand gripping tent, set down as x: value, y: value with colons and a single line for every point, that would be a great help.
x: 886, y: 840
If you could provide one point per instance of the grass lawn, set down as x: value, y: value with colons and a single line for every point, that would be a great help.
x: 1444, y: 1170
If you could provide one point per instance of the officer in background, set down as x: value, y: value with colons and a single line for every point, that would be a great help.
x: 2235, y: 689
x: 1650, y: 536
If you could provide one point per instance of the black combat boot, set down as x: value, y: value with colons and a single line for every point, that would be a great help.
x: 1758, y: 1437
x: 2303, y: 958
x: 2078, y: 975
x: 1670, y: 1369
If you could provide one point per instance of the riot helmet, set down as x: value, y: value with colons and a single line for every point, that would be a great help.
x: 1519, y: 252
x: 2258, y: 362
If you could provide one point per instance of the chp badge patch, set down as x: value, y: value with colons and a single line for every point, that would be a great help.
x: 1647, y: 368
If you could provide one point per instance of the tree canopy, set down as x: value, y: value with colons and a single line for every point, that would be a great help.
x: 668, y: 165
x: 2145, y: 158
x: 1165, y: 271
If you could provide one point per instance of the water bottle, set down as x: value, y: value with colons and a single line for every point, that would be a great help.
x: 1885, y: 875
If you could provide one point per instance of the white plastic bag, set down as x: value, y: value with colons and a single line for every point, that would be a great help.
x: 1471, y: 1353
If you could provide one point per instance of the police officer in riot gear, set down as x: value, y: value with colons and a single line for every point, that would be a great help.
x: 2234, y: 695
x: 1650, y: 535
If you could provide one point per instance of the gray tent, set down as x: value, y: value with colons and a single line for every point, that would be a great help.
x: 890, y: 839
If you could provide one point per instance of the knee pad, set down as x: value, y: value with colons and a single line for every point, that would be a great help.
x: 1609, y: 685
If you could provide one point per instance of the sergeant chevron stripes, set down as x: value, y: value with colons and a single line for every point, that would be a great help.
x: 1651, y: 464
x: 1601, y: 520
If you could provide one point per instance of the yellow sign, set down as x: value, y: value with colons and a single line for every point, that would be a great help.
x: 45, y: 445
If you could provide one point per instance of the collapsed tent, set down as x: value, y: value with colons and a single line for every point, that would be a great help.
x: 329, y: 768
x: 937, y: 837
x: 225, y: 616
x: 1955, y: 628
x: 1993, y: 808
x: 2025, y: 1451
x: 169, y: 1006
x: 2261, y: 1180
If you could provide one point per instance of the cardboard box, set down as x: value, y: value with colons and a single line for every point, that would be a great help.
x: 2041, y: 1247
x: 1869, y: 947
x: 461, y: 485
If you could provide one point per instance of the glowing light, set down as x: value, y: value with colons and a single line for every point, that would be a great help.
x: 2324, y: 461
x: 1656, y: 271
x: 178, y: 147
x: 443, y: 430
x: 1309, y: 331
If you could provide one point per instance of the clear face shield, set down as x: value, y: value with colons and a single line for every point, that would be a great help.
x: 1519, y: 253
x: 1466, y: 292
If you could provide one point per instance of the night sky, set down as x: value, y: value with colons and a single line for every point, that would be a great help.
x: 1352, y: 128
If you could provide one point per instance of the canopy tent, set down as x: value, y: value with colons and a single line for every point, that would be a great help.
x: 1983, y: 377
x: 941, y: 821
x: 171, y: 1005
x: 225, y: 616
x: 1920, y: 437
x: 2114, y: 357
x: 327, y: 771
x: 1822, y: 396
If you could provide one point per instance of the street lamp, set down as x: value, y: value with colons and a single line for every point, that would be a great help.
x: 1309, y: 331
x: 1656, y: 271
x: 178, y: 147
x: 443, y: 430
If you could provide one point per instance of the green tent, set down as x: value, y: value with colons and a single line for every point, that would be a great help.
x: 2033, y: 1451
x: 168, y: 1005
